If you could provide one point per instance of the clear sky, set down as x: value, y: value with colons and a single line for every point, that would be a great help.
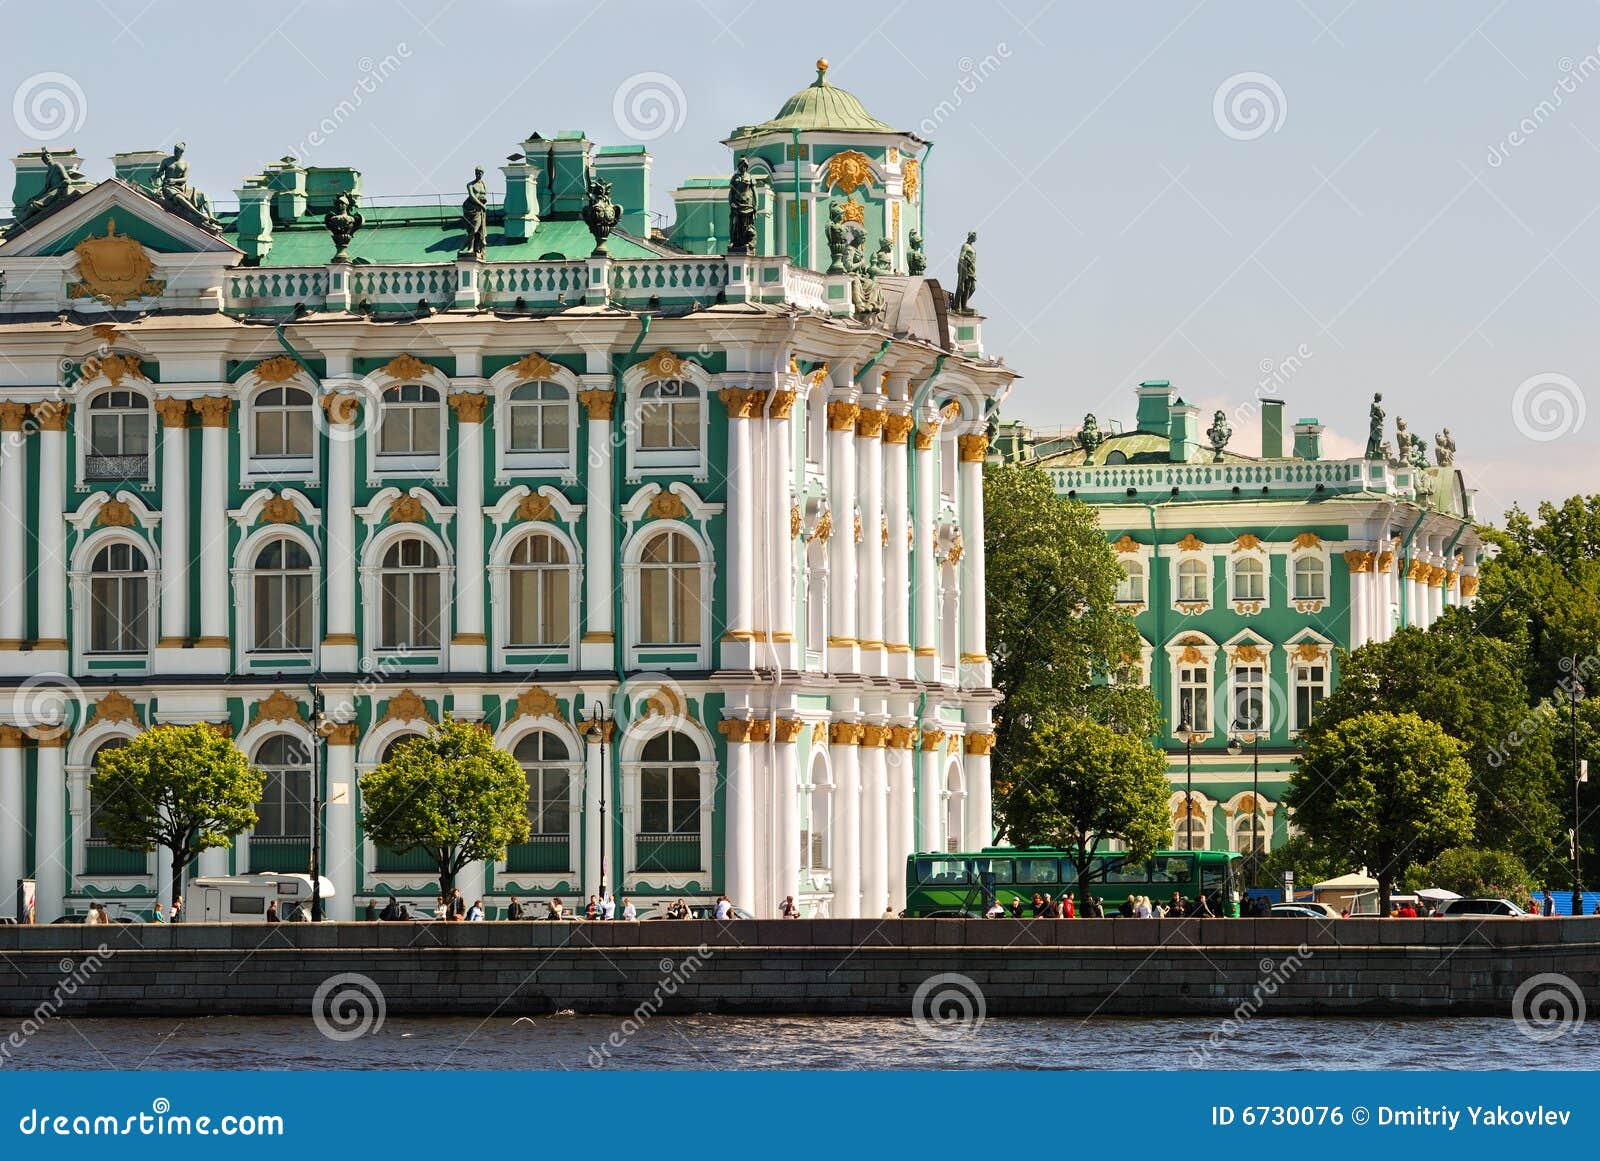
x: 1384, y: 197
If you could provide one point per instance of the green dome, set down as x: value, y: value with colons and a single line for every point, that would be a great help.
x: 820, y: 106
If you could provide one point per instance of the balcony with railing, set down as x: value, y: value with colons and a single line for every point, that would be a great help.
x: 280, y: 853
x: 116, y: 467
x: 542, y: 854
x: 100, y: 857
x: 661, y: 853
x: 416, y: 861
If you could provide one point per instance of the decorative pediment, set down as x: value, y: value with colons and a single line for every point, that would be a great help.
x: 408, y: 367
x: 406, y: 706
x: 664, y: 365
x: 537, y: 702
x: 1308, y: 540
x: 115, y: 706
x: 533, y: 366
x: 1247, y: 542
x: 1126, y: 544
x: 277, y: 706
x: 1190, y: 543
x: 138, y: 217
x: 278, y: 369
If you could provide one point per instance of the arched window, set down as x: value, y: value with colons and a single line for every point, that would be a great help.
x: 119, y: 436
x: 411, y: 423
x: 283, y: 586
x: 539, y: 419
x: 283, y: 428
x: 1188, y: 834
x: 1114, y: 458
x: 669, y: 416
x: 546, y: 762
x: 100, y: 856
x: 281, y: 839
x: 1310, y: 579
x: 410, y: 602
x: 1249, y: 579
x: 1250, y: 834
x: 955, y: 811
x: 816, y: 833
x: 119, y: 600
x: 1130, y: 589
x: 670, y: 591
x: 1194, y: 580
x: 669, y: 804
x: 541, y: 592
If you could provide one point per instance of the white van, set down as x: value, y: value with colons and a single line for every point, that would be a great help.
x: 245, y: 898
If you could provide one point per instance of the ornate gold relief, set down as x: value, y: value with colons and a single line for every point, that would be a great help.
x: 406, y: 510
x: 114, y: 269
x: 51, y: 415
x: 1308, y: 540
x: 1247, y: 608
x: 1191, y: 655
x: 870, y: 423
x: 341, y: 409
x: 1469, y: 586
x: 664, y: 365
x: 469, y: 406
x: 795, y: 521
x: 842, y: 415
x: 1248, y: 654
x: 1126, y: 544
x: 855, y: 211
x: 598, y: 402
x: 280, y: 510
x: 173, y: 412
x: 980, y: 744
x: 1246, y: 542
x: 788, y: 730
x: 957, y: 550
x: 1357, y: 561
x: 115, y: 706
x: 341, y: 733
x: 407, y: 367
x: 782, y: 405
x: 1190, y: 543
x: 849, y: 171
x: 743, y: 402
x: 1385, y: 561
x: 115, y: 514
x: 846, y: 733
x: 897, y: 428
x: 533, y: 366
x: 114, y: 367
x: 973, y: 447
x: 931, y: 740
x: 824, y: 528
x: 910, y: 178
x: 667, y: 506
x: 277, y: 706
x: 535, y: 507
x: 926, y: 434
x: 536, y: 702
x: 213, y: 410
x: 1310, y: 651
x: 874, y: 736
x: 858, y: 528
x: 406, y: 706
x: 278, y: 369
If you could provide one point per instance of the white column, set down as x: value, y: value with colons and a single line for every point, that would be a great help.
x: 874, y: 821
x: 174, y: 523
x: 974, y: 634
x: 930, y: 788
x: 469, y: 646
x: 902, y: 811
x: 924, y: 567
x: 980, y: 796
x: 786, y: 807
x: 52, y: 529
x: 216, y: 596
x: 869, y: 589
x: 843, y: 647
x: 739, y: 841
x: 897, y: 568
x: 339, y: 820
x: 50, y: 837
x: 780, y: 530
x: 592, y: 781
x: 740, y: 563
x: 13, y: 817
x: 13, y: 534
x: 599, y: 567
x: 844, y: 753
x: 339, y: 644
x: 1356, y: 569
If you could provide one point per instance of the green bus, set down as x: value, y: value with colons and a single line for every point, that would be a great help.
x: 959, y: 884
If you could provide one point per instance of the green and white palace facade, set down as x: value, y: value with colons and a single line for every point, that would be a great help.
x: 698, y: 493
x: 1247, y: 573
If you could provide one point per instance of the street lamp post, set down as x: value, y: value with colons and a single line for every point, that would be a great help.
x: 1186, y: 732
x: 595, y: 732
x: 1575, y: 694
x: 1235, y: 746
x: 317, y: 718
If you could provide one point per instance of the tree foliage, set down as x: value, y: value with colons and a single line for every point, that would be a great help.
x: 1471, y: 686
x: 182, y: 788
x: 1390, y: 788
x: 1310, y: 861
x: 451, y: 793
x: 1057, y: 640
x: 1473, y: 872
x: 1077, y: 784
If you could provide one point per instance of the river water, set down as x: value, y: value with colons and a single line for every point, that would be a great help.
x: 732, y: 1042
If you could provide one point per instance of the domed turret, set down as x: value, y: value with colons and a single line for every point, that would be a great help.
x: 819, y: 106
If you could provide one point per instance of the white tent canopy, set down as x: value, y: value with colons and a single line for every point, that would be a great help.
x: 1351, y: 882
x: 1436, y: 894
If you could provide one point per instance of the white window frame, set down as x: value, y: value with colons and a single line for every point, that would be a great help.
x: 81, y: 580
x: 1246, y: 605
x: 632, y: 768
x: 372, y: 595
x: 1325, y: 660
x: 1322, y: 560
x: 641, y: 531
x: 374, y: 391
x: 246, y: 574
x: 642, y: 462
x: 1232, y: 650
x: 1176, y: 663
x: 501, y: 579
x: 83, y: 426
x: 255, y: 466
x: 1203, y: 559
x: 561, y: 464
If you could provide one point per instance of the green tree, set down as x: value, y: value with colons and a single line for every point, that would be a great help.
x: 184, y: 789
x: 1390, y: 788
x: 1310, y: 862
x: 1474, y: 873
x: 452, y: 793
x: 1077, y: 784
x: 1057, y: 641
x: 1471, y: 686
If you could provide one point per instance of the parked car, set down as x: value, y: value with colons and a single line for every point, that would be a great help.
x: 696, y: 911
x: 1303, y: 911
x: 1489, y: 908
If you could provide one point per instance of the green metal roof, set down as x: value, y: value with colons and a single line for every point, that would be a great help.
x: 405, y: 235
x: 1136, y: 447
x: 820, y: 106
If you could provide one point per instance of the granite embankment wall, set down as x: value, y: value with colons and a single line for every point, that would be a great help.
x: 879, y: 967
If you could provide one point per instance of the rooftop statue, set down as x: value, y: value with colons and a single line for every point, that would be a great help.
x: 1219, y: 433
x: 742, y: 209
x: 601, y: 213
x: 342, y: 222
x: 1089, y: 436
x: 1444, y: 448
x: 883, y: 260
x: 57, y: 186
x: 1375, y: 442
x: 475, y: 216
x: 916, y: 260
x: 966, y: 275
x: 175, y: 193
x: 1418, y: 457
x: 838, y: 234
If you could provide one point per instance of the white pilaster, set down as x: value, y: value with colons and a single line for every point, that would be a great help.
x: 901, y: 761
x: 13, y: 817
x: 50, y: 838
x: 786, y: 809
x: 739, y: 847
x: 930, y: 789
x: 469, y: 647
x: 174, y: 527
x: 215, y: 592
x: 843, y: 646
x: 897, y: 566
x: 598, y: 642
x: 339, y: 820
x: 339, y: 644
x: 874, y: 821
x: 13, y: 532
x: 738, y: 639
x: 869, y: 589
x: 780, y: 493
x: 980, y: 795
x: 844, y: 753
x: 52, y: 530
x: 974, y: 634
x: 924, y: 567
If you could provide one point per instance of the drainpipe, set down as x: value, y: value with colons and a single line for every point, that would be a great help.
x: 911, y: 483
x: 616, y: 498
x: 283, y: 341
x: 801, y: 253
x: 922, y: 185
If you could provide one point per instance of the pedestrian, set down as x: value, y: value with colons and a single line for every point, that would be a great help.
x: 789, y: 910
x: 554, y: 910
x: 1038, y: 905
x: 177, y: 907
x: 1016, y: 906
x: 1549, y: 904
x: 513, y: 909
x: 592, y: 911
x: 1096, y: 907
x: 458, y: 904
x: 372, y: 911
x: 161, y: 915
x: 272, y: 911
x: 475, y: 912
x: 610, y: 907
x: 391, y: 910
x: 1050, y: 911
x: 1125, y: 908
x: 889, y: 911
x: 1202, y: 907
x: 629, y: 911
x: 1176, y: 909
x: 997, y: 910
x: 92, y: 916
x: 1069, y: 909
x: 678, y: 910
x: 724, y: 907
x: 441, y: 909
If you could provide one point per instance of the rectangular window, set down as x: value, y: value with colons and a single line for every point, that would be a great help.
x: 1194, y: 697
x: 1038, y: 871
x: 942, y: 871
x: 1310, y: 687
x: 1171, y: 869
x: 1249, y: 697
